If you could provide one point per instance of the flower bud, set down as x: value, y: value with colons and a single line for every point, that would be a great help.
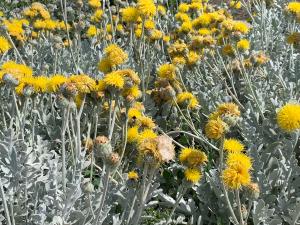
x: 113, y: 160
x: 252, y: 191
x: 88, y: 187
x: 10, y: 79
x: 69, y: 90
x: 103, y: 147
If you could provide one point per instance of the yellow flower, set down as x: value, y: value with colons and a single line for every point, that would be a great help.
x: 215, y: 128
x: 167, y: 71
x: 4, y: 45
x: 228, y: 108
x: 236, y: 176
x: 183, y: 7
x: 239, y: 158
x: 104, y: 65
x: 148, y: 151
x: 132, y: 175
x: 133, y: 92
x: 133, y: 134
x: 144, y: 121
x: 134, y: 113
x: 55, y: 82
x: 161, y: 10
x: 94, y: 3
x: 96, y: 17
x: 235, y: 4
x: 243, y: 44
x: 149, y: 24
x: 146, y: 133
x: 293, y: 38
x: 294, y: 7
x: 288, y: 117
x: 233, y: 145
x: 83, y: 83
x: 193, y: 58
x: 183, y: 17
x: 114, y: 79
x: 130, y: 14
x: 146, y: 8
x: 241, y: 27
x: 115, y: 55
x: 187, y: 98
x: 203, y: 20
x: 92, y: 31
x: 192, y: 175
x: 192, y: 157
x: 39, y: 84
x: 17, y: 70
x: 228, y: 50
x: 15, y: 28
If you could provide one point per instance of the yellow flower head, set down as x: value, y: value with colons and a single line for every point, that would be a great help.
x: 233, y: 145
x: 187, y: 98
x: 192, y: 175
x: 94, y: 3
x: 83, y: 83
x: 146, y: 133
x: 288, y: 117
x: 239, y: 158
x: 192, y: 157
x: 236, y: 176
x: 92, y: 31
x: 243, y: 45
x: 130, y: 14
x: 167, y: 71
x: 228, y: 108
x: 97, y: 16
x: 55, y: 82
x: 114, y: 80
x: 183, y: 7
x: 241, y: 27
x: 134, y: 113
x: 18, y: 71
x: 293, y: 7
x: 144, y: 121
x: 148, y: 151
x: 294, y: 38
x: 215, y: 128
x: 115, y: 55
x: 133, y: 134
x: 132, y: 175
x: 4, y: 45
x: 146, y: 8
x: 104, y: 65
x: 133, y: 92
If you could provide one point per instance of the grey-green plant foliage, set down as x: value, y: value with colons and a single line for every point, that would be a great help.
x: 30, y: 138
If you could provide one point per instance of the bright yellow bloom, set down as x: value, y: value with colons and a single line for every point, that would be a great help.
x: 145, y: 134
x: 15, y: 28
x: 129, y: 14
x: 187, y: 98
x: 97, y: 16
x: 241, y: 27
x: 92, y: 31
x: 236, y: 176
x: 161, y: 10
x: 192, y: 175
x: 114, y: 79
x: 233, y: 145
x: 294, y: 7
x: 134, y: 113
x: 148, y: 151
x: 288, y: 117
x: 104, y: 65
x: 183, y: 7
x: 84, y: 83
x: 133, y: 92
x: 215, y: 128
x: 4, y: 45
x: 228, y: 108
x: 115, y: 55
x: 133, y: 134
x: 192, y: 157
x: 146, y: 8
x: 132, y: 175
x: 243, y: 44
x: 144, y: 121
x: 94, y: 3
x: 167, y: 71
x: 18, y: 71
x: 39, y: 84
x: 235, y: 4
x: 239, y: 158
x: 55, y: 82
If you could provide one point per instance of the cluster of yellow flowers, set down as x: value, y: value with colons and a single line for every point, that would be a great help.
x: 226, y: 115
x: 193, y: 159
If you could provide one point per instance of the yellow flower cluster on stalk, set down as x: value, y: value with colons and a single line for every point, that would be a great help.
x: 237, y: 171
x: 225, y: 116
x: 192, y: 159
